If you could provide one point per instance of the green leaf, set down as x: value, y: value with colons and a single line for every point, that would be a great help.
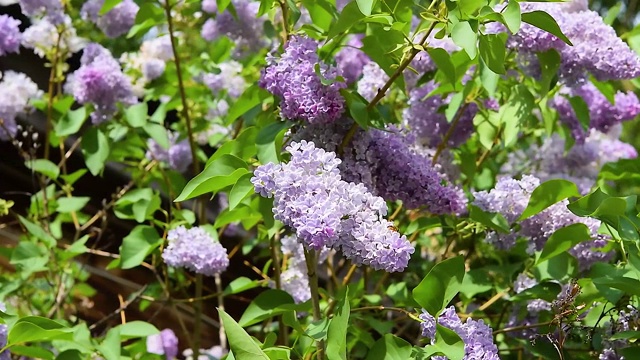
x: 158, y: 133
x: 44, y: 166
x: 266, y: 305
x: 36, y: 328
x: 349, y: 16
x: 440, y: 285
x: 547, y: 194
x: 581, y: 110
x: 512, y: 16
x: 71, y: 122
x: 549, y: 65
x: 138, y: 204
x: 627, y: 285
x: 95, y: 147
x: 337, y: 332
x: 605, y: 207
x: 564, y: 239
x: 242, y: 188
x: 222, y: 172
x: 242, y: 345
x: 546, y: 22
x: 464, y: 36
x: 442, y: 59
x: 136, y: 329
x: 365, y: 6
x: 493, y: 221
x: 447, y: 343
x: 612, y: 13
x: 390, y: 347
x: 250, y: 98
x: 140, y: 242
x: 70, y: 179
x: 269, y: 141
x: 239, y: 285
x: 38, y: 232
x: 70, y: 204
x: 136, y: 115
x: 111, y: 345
x: 108, y: 5
x: 32, y: 352
x: 515, y: 113
x: 493, y: 50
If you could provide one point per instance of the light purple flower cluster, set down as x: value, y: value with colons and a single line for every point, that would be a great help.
x: 246, y: 30
x: 596, y: 47
x: 327, y: 212
x: 11, y: 36
x: 581, y: 164
x: 51, y: 10
x: 117, y: 21
x: 229, y: 78
x: 164, y: 343
x: 603, y: 115
x: 373, y: 78
x: 533, y: 309
x: 390, y: 167
x: 216, y: 352
x: 178, y: 156
x: 425, y: 118
x: 100, y: 81
x: 351, y: 59
x: 196, y: 250
x: 45, y: 37
x: 476, y: 335
x: 16, y: 90
x: 626, y: 321
x: 293, y: 78
x: 510, y: 197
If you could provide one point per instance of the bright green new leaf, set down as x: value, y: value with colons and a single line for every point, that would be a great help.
x: 71, y: 122
x: 464, y: 36
x: 37, y: 231
x: 512, y: 16
x: 209, y: 179
x: 493, y: 221
x: 365, y: 6
x: 95, y: 147
x: 36, y: 328
x: 250, y: 98
x: 44, y: 166
x: 242, y: 345
x: 136, y: 329
x: 108, y: 5
x: 337, y: 332
x: 240, y: 284
x: 242, y: 188
x: 442, y: 59
x: 390, y: 347
x: 547, y: 194
x: 70, y: 204
x: 135, y: 247
x: 349, y: 16
x: 440, y: 285
x: 136, y: 115
x: 581, y: 110
x: 264, y: 306
x: 269, y: 141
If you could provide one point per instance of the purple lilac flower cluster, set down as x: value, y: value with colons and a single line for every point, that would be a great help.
x: 117, y: 21
x: 229, y: 78
x: 351, y: 59
x: 327, y: 212
x: 581, y: 164
x: 423, y: 63
x: 596, y: 47
x: 293, y: 79
x: 245, y: 30
x: 627, y: 321
x: 373, y: 78
x: 11, y: 36
x: 178, y: 156
x: 100, y: 81
x: 51, y: 10
x: 196, y: 250
x: 510, y: 197
x: 603, y: 115
x: 388, y: 164
x: 476, y: 335
x: 165, y: 343
x: 16, y: 90
x: 533, y: 309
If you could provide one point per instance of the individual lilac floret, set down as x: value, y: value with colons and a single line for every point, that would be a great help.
x: 293, y: 79
x: 178, y: 156
x: 100, y: 81
x: 52, y: 10
x: 373, y: 78
x: 45, y: 37
x: 351, y: 59
x: 388, y: 164
x: 164, y: 343
x: 195, y: 250
x: 229, y: 78
x: 11, y: 36
x: 476, y: 335
x: 117, y: 21
x: 327, y: 212
x: 245, y: 29
x: 603, y: 115
x: 16, y: 90
x: 596, y: 49
x: 425, y: 118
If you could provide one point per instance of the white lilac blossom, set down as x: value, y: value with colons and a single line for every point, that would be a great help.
x: 215, y: 353
x: 100, y: 81
x: 16, y: 90
x: 149, y: 62
x: 293, y: 79
x: 51, y: 10
x: 351, y: 59
x: 373, y: 78
x: 580, y: 164
x: 164, y: 343
x: 229, y: 78
x: 117, y: 21
x: 476, y: 335
x: 195, y: 250
x: 178, y: 156
x: 11, y: 36
x: 428, y: 122
x: 245, y: 30
x: 510, y: 197
x: 43, y: 36
x: 596, y: 47
x: 388, y: 163
x: 327, y: 212
x: 603, y: 115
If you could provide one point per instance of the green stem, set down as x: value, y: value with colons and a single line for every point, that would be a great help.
x: 198, y: 315
x: 312, y: 263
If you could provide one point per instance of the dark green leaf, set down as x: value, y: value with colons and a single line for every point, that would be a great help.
x: 265, y: 306
x: 390, y: 347
x: 137, y: 245
x: 492, y: 51
x: 440, y: 285
x: 546, y: 22
x: 493, y: 221
x: 337, y: 333
x: 442, y: 59
x: 564, y: 239
x: 242, y: 345
x: 547, y: 194
x: 581, y: 110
